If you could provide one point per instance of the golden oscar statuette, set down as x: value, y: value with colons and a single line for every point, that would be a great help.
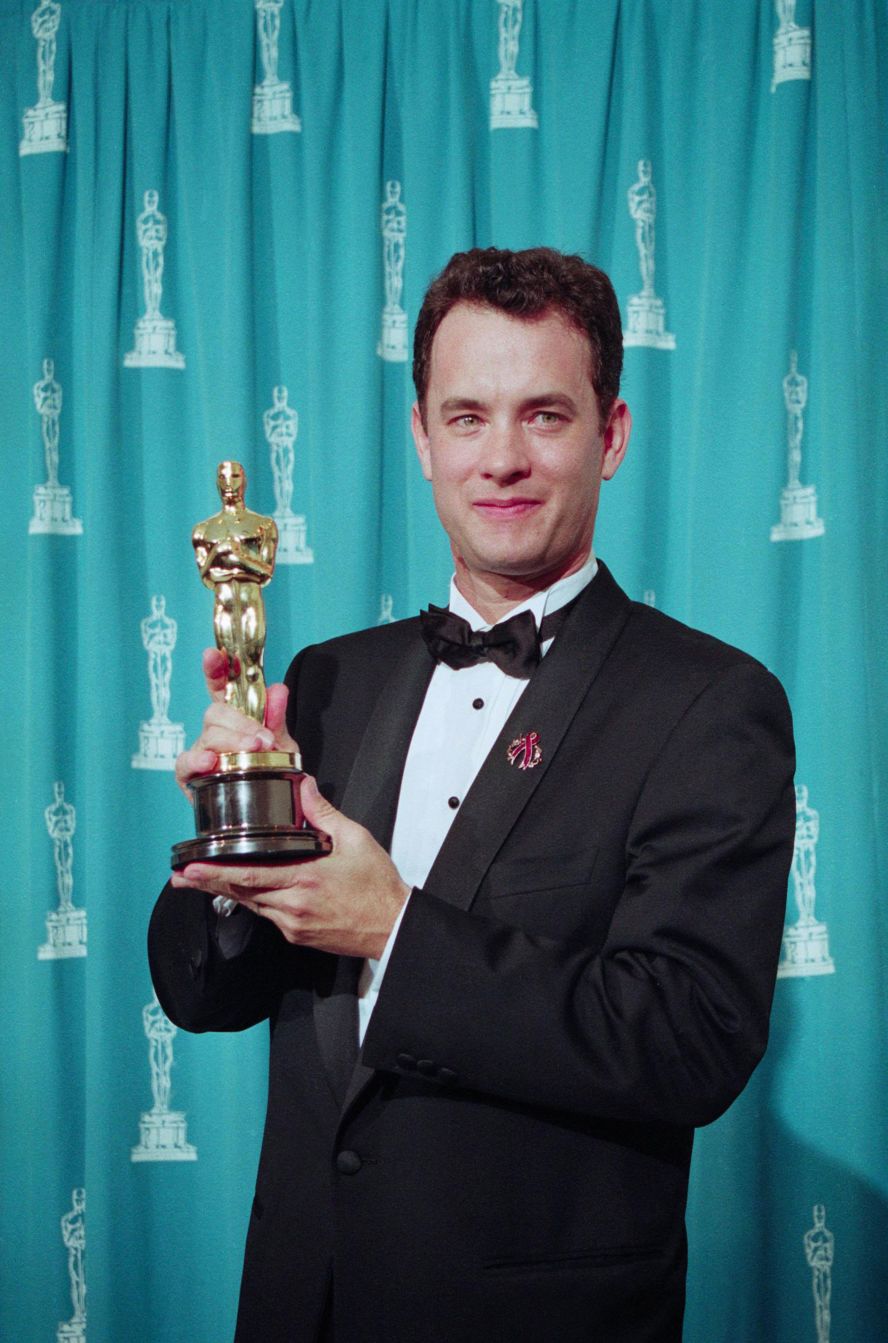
x: 249, y: 808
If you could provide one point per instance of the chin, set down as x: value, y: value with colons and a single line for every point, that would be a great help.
x: 503, y: 560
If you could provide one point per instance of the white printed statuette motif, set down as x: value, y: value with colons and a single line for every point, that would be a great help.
x: 647, y: 313
x: 155, y: 335
x: 160, y: 741
x: 386, y: 609
x: 52, y: 501
x: 46, y: 124
x: 511, y: 94
x: 163, y: 1134
x: 74, y: 1238
x: 649, y: 597
x: 65, y: 925
x: 805, y: 948
x: 393, y: 223
x: 281, y: 425
x: 273, y: 98
x: 819, y: 1244
x: 792, y: 46
x: 798, y: 503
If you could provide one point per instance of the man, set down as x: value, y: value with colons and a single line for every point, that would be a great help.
x: 568, y: 959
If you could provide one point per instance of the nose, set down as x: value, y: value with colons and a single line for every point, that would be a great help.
x: 505, y: 457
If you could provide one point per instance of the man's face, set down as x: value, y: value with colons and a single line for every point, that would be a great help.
x: 514, y: 446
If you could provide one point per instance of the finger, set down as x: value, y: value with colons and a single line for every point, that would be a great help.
x: 276, y: 717
x: 226, y: 728
x: 243, y: 881
x: 223, y: 739
x: 215, y: 670
x: 192, y: 763
x: 320, y: 813
x: 206, y: 878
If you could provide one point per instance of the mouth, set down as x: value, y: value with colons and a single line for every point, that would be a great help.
x: 506, y: 508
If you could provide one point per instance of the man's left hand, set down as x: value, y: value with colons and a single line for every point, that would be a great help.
x: 346, y: 901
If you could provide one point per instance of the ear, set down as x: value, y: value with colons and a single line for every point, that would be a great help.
x: 421, y: 439
x: 616, y: 438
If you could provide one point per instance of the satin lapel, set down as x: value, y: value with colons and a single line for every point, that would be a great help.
x: 336, y: 1022
x: 371, y: 799
x: 501, y: 791
x: 371, y: 794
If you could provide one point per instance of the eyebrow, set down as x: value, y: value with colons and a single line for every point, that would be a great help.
x: 456, y: 404
x: 557, y: 399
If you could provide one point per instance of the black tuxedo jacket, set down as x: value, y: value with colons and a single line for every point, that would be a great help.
x: 586, y: 975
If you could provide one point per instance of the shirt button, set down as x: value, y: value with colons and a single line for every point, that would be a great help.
x: 478, y: 703
x: 453, y: 802
x: 348, y: 1163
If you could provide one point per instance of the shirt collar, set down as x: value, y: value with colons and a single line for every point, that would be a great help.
x: 541, y: 603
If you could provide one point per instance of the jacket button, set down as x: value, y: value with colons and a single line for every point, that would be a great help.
x: 427, y: 1068
x: 407, y: 1062
x: 446, y: 1075
x: 348, y: 1163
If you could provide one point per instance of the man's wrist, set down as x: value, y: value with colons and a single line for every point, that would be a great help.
x: 383, y: 958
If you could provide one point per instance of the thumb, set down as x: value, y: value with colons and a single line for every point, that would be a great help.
x: 318, y: 811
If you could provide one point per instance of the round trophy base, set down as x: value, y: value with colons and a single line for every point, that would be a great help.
x: 258, y: 848
x: 250, y: 811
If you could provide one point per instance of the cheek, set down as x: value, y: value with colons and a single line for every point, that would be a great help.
x: 579, y: 497
x: 446, y: 496
x: 575, y: 481
x: 448, y: 472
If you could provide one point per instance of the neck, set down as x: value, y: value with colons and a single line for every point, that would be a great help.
x: 493, y: 596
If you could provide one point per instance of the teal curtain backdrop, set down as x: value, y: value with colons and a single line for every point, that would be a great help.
x: 203, y: 202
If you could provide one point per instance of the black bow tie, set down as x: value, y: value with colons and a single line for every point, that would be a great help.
x: 513, y: 645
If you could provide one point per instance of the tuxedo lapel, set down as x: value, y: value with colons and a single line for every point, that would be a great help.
x: 371, y: 799
x: 502, y: 790
x: 336, y: 1021
x: 371, y: 794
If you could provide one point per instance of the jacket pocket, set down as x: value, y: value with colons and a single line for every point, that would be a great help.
x: 543, y: 874
x: 599, y: 1256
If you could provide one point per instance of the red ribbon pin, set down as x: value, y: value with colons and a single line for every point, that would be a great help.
x: 525, y: 751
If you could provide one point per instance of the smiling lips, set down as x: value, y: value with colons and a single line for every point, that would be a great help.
x: 506, y: 508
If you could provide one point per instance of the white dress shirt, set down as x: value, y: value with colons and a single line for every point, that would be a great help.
x: 463, y: 713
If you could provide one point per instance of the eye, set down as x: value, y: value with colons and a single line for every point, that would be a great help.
x: 547, y: 419
x: 467, y: 421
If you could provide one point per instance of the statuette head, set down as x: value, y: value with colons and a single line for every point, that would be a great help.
x: 232, y: 481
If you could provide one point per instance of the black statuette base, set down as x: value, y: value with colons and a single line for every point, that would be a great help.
x: 249, y: 814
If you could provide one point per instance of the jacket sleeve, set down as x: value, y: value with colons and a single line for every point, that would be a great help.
x: 664, y: 1022
x: 212, y: 973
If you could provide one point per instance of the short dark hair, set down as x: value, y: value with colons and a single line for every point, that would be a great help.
x: 526, y: 285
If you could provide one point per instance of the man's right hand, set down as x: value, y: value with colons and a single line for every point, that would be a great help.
x: 227, y: 729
